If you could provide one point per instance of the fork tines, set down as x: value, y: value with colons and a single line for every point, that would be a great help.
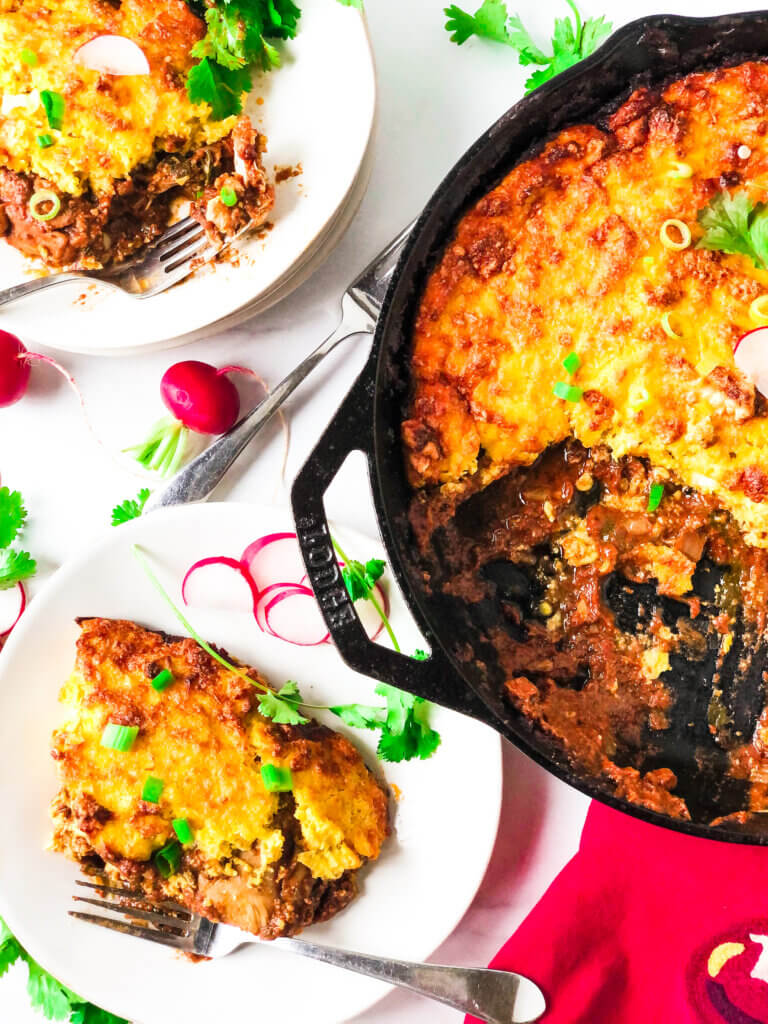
x: 167, y: 923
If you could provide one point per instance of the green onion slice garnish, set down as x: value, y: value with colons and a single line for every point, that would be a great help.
x: 162, y: 680
x: 53, y: 103
x: 168, y: 858
x: 119, y: 737
x: 568, y: 392
x: 29, y: 57
x: 40, y: 199
x: 152, y: 790
x: 44, y: 141
x: 572, y: 362
x: 228, y: 196
x: 655, y: 496
x: 276, y: 780
x: 182, y: 829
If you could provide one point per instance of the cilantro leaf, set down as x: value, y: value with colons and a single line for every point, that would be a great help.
x: 221, y: 88
x: 12, y: 516
x: 53, y: 999
x: 131, y: 508
x: 733, y: 224
x: 15, y: 566
x: 10, y: 950
x: 283, y: 707
x: 87, y: 1013
x: 488, y: 22
x: 406, y: 733
x: 361, y: 579
x: 360, y: 716
x: 572, y: 39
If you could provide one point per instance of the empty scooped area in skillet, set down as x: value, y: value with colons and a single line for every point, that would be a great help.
x: 709, y: 778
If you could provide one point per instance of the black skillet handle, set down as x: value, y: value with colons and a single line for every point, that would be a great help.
x: 352, y: 430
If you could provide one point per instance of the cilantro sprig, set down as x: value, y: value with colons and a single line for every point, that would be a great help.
x: 15, y: 565
x: 572, y: 39
x: 240, y: 38
x: 131, y: 508
x: 734, y: 224
x: 54, y: 1000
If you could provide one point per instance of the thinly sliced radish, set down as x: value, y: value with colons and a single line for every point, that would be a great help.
x: 275, y: 556
x: 210, y: 583
x: 751, y: 357
x: 294, y: 615
x: 12, y: 605
x: 113, y: 55
x: 369, y: 617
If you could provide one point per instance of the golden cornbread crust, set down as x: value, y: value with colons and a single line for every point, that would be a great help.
x: 270, y: 863
x: 128, y: 148
x: 565, y: 256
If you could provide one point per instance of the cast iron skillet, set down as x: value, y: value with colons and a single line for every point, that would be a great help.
x: 460, y: 673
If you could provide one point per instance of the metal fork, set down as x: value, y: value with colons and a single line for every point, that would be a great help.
x: 360, y: 309
x: 169, y: 260
x: 498, y: 997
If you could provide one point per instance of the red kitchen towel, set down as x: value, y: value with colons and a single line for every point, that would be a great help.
x: 647, y: 926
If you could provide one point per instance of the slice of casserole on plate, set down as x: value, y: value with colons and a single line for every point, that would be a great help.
x: 93, y: 164
x: 174, y: 784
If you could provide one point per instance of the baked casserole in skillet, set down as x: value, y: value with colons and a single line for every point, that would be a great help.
x: 581, y: 438
x: 207, y: 803
x: 92, y: 164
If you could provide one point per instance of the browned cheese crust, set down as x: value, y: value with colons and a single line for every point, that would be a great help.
x: 270, y: 863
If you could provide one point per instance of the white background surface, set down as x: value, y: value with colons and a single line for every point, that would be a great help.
x: 435, y: 100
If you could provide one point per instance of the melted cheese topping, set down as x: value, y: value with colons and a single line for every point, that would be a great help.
x: 204, y: 739
x: 565, y: 255
x: 111, y: 124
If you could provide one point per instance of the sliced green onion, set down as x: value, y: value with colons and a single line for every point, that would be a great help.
x: 119, y: 737
x: 182, y: 830
x: 419, y: 655
x: 655, y: 496
x: 44, y: 141
x: 29, y: 57
x: 276, y: 780
x: 572, y: 362
x: 679, y: 170
x: 568, y: 392
x: 199, y: 194
x: 163, y: 680
x: 168, y: 858
x: 228, y: 196
x: 53, y: 103
x: 152, y: 790
x: 38, y: 199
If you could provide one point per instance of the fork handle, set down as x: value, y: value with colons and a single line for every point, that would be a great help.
x: 18, y: 291
x: 197, y: 481
x: 498, y: 997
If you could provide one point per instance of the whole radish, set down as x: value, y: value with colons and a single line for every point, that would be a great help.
x: 14, y: 369
x: 201, y: 399
x: 15, y: 366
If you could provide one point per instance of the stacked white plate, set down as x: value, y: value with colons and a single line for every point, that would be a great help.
x: 317, y: 112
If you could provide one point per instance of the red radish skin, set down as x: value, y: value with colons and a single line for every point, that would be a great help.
x: 750, y: 355
x: 14, y: 369
x: 200, y: 397
x: 12, y: 605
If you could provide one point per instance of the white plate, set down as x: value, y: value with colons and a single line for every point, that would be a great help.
x: 445, y: 821
x: 318, y: 111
